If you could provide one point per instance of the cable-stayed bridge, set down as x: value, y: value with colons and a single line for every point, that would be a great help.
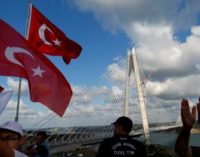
x: 133, y: 105
x: 66, y: 139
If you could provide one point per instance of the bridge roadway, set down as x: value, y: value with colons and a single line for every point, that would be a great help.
x: 79, y: 143
x: 74, y: 144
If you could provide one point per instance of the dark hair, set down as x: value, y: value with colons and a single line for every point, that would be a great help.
x: 42, y: 133
x: 125, y: 122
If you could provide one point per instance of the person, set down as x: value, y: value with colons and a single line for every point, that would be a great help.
x: 40, y: 149
x: 121, y: 144
x: 182, y: 147
x: 11, y: 140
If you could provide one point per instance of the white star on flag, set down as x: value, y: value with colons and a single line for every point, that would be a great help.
x: 57, y: 42
x: 38, y: 71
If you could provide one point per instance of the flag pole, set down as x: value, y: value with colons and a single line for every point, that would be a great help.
x: 18, y: 100
x: 20, y: 79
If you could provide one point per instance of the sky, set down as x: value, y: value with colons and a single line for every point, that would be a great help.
x: 164, y: 34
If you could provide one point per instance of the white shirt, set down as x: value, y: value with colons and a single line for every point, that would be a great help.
x: 19, y: 154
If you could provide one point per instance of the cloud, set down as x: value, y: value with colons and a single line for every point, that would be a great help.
x: 115, y: 72
x: 119, y: 14
x: 152, y: 26
x: 170, y: 58
x: 13, y: 84
x: 176, y: 88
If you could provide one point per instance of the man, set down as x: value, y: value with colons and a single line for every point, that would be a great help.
x: 11, y: 140
x: 40, y: 149
x: 122, y: 145
x: 182, y: 147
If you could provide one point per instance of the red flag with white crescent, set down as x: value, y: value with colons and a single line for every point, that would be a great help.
x: 48, y: 39
x: 47, y: 85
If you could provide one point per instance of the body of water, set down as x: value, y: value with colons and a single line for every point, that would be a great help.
x: 169, y: 139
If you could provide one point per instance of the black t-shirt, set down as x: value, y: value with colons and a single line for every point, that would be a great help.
x: 42, y: 150
x: 121, y: 147
x: 195, y: 151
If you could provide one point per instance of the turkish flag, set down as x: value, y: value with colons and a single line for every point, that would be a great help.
x: 48, y: 39
x: 47, y: 85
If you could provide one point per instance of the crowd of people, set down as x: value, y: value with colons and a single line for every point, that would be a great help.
x: 120, y: 145
x: 12, y: 139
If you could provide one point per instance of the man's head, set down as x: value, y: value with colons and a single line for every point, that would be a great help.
x: 12, y: 134
x: 40, y: 137
x: 123, y: 125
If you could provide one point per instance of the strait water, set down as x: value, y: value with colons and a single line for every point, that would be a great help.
x: 169, y: 139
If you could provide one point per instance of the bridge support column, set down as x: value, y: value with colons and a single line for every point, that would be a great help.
x: 132, y: 65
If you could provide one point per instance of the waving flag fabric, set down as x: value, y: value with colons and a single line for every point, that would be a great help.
x: 4, y: 97
x: 47, y: 85
x: 48, y: 39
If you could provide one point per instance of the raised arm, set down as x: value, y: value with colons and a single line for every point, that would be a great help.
x: 182, y: 147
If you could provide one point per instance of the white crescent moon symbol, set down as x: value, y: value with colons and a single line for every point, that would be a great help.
x: 41, y: 33
x: 9, y: 53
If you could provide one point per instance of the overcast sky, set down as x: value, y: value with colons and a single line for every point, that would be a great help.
x: 165, y: 35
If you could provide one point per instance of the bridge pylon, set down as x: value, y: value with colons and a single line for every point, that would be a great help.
x: 132, y: 66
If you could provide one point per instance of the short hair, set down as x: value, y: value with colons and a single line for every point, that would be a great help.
x: 42, y: 133
x: 125, y: 122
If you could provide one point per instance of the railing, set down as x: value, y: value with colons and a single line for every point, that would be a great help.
x: 64, y: 141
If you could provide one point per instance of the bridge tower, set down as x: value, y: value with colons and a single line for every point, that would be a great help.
x: 132, y: 66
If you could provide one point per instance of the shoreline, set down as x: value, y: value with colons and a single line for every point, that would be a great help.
x: 195, y: 131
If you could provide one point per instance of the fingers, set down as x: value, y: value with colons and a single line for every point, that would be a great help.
x: 188, y: 117
x: 185, y: 110
x: 194, y: 111
x: 184, y: 104
x: 198, y: 107
x: 198, y: 110
x: 185, y: 107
